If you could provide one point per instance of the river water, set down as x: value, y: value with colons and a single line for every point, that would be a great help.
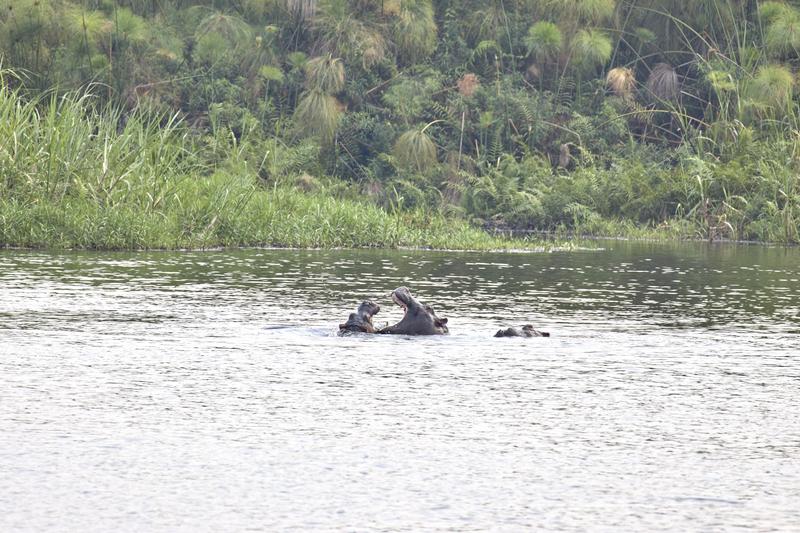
x: 209, y: 392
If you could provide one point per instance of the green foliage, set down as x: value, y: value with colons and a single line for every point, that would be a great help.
x: 129, y: 27
x: 317, y: 115
x: 212, y: 49
x: 773, y: 85
x: 271, y: 73
x: 362, y: 139
x: 73, y: 179
x: 544, y: 41
x: 410, y: 96
x: 591, y: 49
x: 644, y: 36
x: 557, y: 114
x: 325, y: 73
x: 62, y: 148
x: 499, y: 195
x: 231, y: 28
x: 342, y: 33
x: 416, y: 150
x: 773, y: 11
x: 414, y: 30
x: 782, y: 37
x: 584, y: 11
x: 224, y: 211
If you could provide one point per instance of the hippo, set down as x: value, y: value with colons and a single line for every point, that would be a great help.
x: 419, y: 318
x: 525, y: 331
x: 361, y: 320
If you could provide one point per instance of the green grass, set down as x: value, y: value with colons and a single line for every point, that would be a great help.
x: 282, y: 218
x: 77, y: 176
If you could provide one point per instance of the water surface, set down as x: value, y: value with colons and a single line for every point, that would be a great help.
x: 209, y: 392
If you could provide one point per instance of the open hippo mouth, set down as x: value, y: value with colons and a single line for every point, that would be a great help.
x: 399, y: 302
x: 418, y: 318
x: 402, y: 297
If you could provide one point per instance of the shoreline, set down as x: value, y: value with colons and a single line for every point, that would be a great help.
x: 559, y: 244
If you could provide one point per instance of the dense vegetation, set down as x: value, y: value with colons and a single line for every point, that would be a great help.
x: 151, y: 123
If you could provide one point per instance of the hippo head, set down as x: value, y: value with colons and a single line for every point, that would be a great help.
x: 361, y: 320
x: 525, y: 331
x: 418, y: 318
x: 402, y: 297
x: 368, y: 309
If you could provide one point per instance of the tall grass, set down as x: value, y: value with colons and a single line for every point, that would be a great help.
x: 283, y: 217
x: 77, y: 176
x: 63, y: 147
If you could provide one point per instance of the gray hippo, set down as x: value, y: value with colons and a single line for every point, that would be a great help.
x: 525, y: 331
x: 419, y: 318
x: 361, y: 320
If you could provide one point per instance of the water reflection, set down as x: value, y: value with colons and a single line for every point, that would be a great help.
x: 208, y: 391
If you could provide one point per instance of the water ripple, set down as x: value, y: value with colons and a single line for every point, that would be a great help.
x: 209, y: 391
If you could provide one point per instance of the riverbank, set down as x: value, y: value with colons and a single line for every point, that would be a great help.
x: 221, y: 211
x: 77, y: 176
x: 224, y: 212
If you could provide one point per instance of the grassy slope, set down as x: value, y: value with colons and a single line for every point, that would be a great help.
x: 73, y: 176
x: 283, y: 217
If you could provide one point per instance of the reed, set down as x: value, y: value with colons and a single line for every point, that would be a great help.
x: 65, y: 147
x: 76, y: 175
x: 282, y: 217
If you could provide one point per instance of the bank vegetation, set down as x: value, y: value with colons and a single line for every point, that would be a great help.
x: 146, y: 123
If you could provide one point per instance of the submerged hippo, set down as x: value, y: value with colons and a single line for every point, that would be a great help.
x: 525, y: 331
x: 361, y: 320
x: 419, y: 318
